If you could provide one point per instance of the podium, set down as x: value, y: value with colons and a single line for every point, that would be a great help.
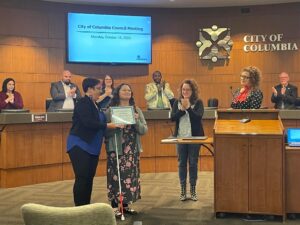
x: 249, y: 162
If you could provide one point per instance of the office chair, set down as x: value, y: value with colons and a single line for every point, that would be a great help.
x: 213, y: 102
x: 297, y: 103
x: 47, y: 103
x: 93, y: 214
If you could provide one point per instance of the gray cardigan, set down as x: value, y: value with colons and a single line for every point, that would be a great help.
x: 110, y: 138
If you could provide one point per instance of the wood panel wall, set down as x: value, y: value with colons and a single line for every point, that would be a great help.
x: 32, y: 48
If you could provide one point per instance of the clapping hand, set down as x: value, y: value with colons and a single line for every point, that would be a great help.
x: 11, y: 98
x: 108, y: 91
x: 136, y: 116
x: 72, y: 92
x: 283, y: 89
x: 274, y: 91
x: 185, y: 102
x: 161, y: 85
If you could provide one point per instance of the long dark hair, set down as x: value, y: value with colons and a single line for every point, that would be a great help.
x: 103, y: 83
x: 5, y: 82
x: 192, y: 83
x: 115, y: 101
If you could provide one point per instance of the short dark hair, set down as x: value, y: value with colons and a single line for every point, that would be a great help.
x: 89, y: 83
x: 4, y: 84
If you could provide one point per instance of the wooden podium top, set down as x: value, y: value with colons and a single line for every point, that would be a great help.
x: 253, y: 114
x: 254, y: 127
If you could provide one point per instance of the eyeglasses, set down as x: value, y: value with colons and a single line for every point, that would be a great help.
x: 244, y: 77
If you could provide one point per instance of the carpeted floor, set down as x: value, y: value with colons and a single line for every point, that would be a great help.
x: 159, y: 204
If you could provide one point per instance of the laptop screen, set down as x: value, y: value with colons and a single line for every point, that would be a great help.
x: 293, y: 135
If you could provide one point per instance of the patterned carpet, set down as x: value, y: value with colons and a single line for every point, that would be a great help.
x: 159, y: 204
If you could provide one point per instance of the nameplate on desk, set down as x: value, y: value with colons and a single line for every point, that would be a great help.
x: 37, y: 118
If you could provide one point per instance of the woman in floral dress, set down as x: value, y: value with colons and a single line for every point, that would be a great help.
x: 127, y: 140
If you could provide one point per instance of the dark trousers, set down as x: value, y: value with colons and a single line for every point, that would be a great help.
x: 188, y: 153
x: 84, y: 167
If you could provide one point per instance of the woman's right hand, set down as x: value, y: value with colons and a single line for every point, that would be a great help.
x: 108, y: 91
x: 115, y: 126
x: 274, y: 91
x: 185, y: 102
x: 10, y: 98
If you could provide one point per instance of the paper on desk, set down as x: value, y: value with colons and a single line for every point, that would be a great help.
x: 169, y: 140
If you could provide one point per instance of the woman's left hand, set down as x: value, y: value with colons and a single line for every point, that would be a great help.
x: 136, y: 116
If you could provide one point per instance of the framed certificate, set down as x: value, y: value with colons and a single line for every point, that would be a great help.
x: 122, y: 115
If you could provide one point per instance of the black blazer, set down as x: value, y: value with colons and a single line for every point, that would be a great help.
x: 289, y: 98
x: 195, y: 114
x: 86, y: 122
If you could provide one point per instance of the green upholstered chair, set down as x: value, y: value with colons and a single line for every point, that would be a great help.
x: 93, y: 214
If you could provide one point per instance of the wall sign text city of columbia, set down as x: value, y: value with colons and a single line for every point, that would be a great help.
x: 267, y: 43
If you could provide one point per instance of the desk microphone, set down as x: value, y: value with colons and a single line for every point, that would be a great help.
x: 230, y: 87
x: 246, y: 119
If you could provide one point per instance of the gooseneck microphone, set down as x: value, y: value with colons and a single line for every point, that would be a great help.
x: 232, y: 94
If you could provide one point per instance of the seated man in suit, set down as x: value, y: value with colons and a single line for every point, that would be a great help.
x: 64, y: 93
x: 158, y: 94
x: 284, y: 94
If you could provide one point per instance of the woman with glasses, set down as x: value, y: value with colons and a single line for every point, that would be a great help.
x: 187, y: 112
x: 85, y: 140
x: 249, y: 96
x: 106, y: 92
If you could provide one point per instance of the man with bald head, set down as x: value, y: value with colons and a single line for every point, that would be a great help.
x: 284, y: 94
x: 64, y: 93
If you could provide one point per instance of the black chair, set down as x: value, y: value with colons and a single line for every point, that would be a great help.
x: 297, y: 102
x: 47, y: 103
x: 213, y: 102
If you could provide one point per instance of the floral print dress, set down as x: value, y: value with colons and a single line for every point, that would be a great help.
x: 129, y: 164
